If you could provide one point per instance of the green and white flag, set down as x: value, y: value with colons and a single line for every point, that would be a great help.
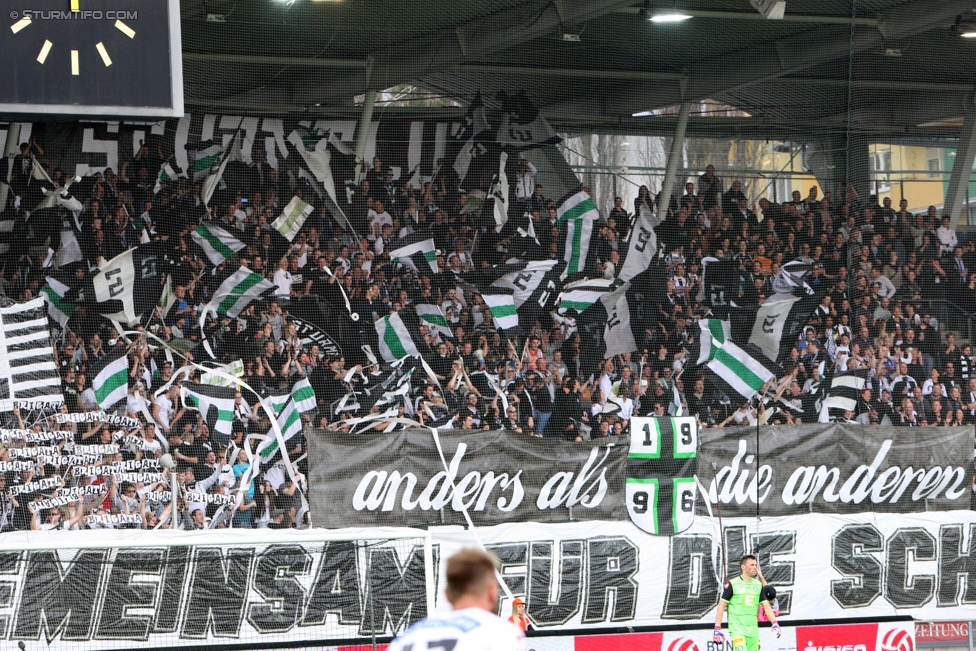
x: 166, y: 174
x: 237, y: 292
x: 290, y: 421
x: 583, y: 293
x: 579, y: 212
x: 433, y: 317
x: 502, y: 308
x: 740, y: 370
x: 733, y: 369
x: 395, y: 340
x: 204, y: 160
x: 168, y: 298
x: 233, y: 152
x: 401, y: 250
x: 713, y: 333
x: 234, y: 369
x: 675, y: 408
x: 292, y: 218
x: 57, y: 308
x: 278, y: 402
x: 217, y: 243
x: 304, y: 396
x: 111, y: 381
x: 215, y: 403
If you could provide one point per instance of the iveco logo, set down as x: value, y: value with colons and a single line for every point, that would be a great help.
x: 769, y: 322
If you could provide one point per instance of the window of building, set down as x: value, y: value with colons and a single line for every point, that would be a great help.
x: 881, y: 171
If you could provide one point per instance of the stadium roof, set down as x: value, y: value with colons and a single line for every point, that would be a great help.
x: 909, y: 74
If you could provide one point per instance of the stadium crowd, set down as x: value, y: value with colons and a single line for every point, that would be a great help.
x: 881, y: 274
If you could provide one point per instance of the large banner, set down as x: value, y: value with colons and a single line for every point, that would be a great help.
x: 837, y: 468
x: 131, y: 588
x: 398, y: 479
x: 88, y: 146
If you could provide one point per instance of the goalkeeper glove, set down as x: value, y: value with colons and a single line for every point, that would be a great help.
x: 777, y: 629
x: 717, y: 636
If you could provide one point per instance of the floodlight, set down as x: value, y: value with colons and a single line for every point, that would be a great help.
x: 670, y: 17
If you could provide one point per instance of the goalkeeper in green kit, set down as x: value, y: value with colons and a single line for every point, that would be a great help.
x: 743, y: 595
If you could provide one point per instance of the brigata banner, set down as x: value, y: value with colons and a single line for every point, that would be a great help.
x: 837, y: 468
x: 399, y: 479
x: 130, y: 588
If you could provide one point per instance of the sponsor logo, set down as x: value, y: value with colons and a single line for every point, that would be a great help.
x: 682, y: 644
x: 941, y: 631
x: 897, y: 639
x: 850, y: 637
x: 622, y: 642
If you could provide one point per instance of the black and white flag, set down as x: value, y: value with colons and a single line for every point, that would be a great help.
x: 839, y: 393
x: 522, y: 126
x: 774, y: 327
x: 27, y: 368
x: 128, y: 286
x: 471, y: 137
x: 534, y: 288
x: 643, y: 243
x: 720, y: 281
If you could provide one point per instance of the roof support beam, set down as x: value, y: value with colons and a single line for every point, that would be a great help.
x: 569, y: 72
x: 763, y: 62
x: 581, y: 73
x: 250, y: 59
x: 440, y: 50
x: 745, y: 15
x: 962, y: 169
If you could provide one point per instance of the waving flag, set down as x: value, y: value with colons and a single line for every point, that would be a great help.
x: 237, y: 292
x: 215, y: 242
x: 127, y: 286
x: 232, y: 153
x: 579, y: 213
x: 473, y: 129
x: 27, y: 368
x: 582, y: 294
x: 205, y: 160
x: 433, y: 317
x: 395, y: 340
x: 419, y: 242
x: 110, y: 379
x: 643, y: 243
x: 216, y: 403
x: 522, y: 126
x: 57, y: 307
x: 304, y: 396
x: 733, y: 369
x: 502, y: 308
x: 292, y: 218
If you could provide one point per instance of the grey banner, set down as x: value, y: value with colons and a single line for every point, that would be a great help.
x: 399, y: 479
x: 836, y: 468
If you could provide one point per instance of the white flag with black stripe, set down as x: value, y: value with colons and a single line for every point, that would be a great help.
x: 27, y: 368
x: 839, y: 394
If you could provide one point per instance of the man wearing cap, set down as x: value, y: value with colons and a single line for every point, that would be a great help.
x: 519, y: 618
